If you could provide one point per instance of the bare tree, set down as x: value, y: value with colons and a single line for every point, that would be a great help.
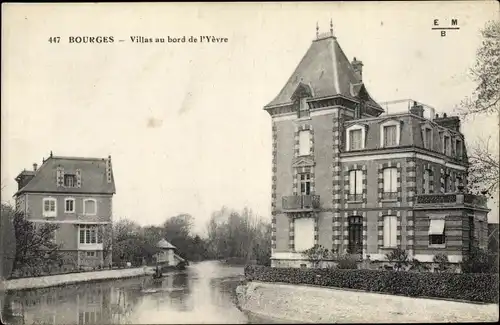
x: 106, y: 235
x: 486, y: 73
x: 35, y: 247
x: 485, y: 100
x: 483, y: 170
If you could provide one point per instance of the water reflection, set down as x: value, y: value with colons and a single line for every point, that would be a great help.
x: 204, y: 293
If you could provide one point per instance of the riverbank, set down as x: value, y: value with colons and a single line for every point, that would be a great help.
x: 62, y: 279
x: 310, y: 304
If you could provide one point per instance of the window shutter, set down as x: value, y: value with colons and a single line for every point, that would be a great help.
x: 78, y: 178
x: 359, y: 182
x: 60, y: 176
x: 352, y: 181
x: 387, y: 180
x: 426, y: 181
x: 394, y: 227
x: 394, y: 179
x: 304, y: 143
x: 387, y: 231
x: 303, y: 233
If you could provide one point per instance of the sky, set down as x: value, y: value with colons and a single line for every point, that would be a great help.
x: 184, y: 122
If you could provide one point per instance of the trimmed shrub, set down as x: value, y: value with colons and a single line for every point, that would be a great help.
x: 347, y: 262
x: 471, y: 287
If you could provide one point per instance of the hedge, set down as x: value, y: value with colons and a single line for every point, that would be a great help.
x: 479, y: 287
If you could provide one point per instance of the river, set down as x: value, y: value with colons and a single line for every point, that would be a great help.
x: 203, y: 293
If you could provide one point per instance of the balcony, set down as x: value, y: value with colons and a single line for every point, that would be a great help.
x: 438, y: 198
x: 451, y: 199
x: 298, y: 203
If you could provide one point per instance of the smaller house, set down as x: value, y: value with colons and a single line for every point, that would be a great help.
x: 167, y: 256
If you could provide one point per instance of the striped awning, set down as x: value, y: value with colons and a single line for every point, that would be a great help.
x: 436, y: 227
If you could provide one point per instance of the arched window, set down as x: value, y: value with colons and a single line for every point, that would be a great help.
x: 89, y: 207
x: 355, y: 235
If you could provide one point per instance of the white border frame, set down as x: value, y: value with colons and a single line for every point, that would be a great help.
x: 49, y: 214
x: 395, y: 123
x: 74, y: 205
x: 355, y: 127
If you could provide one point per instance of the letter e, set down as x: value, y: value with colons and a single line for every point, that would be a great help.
x: 436, y: 22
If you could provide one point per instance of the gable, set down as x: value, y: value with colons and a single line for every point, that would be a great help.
x: 355, y: 125
x: 302, y: 91
x: 426, y: 124
x: 390, y: 121
x: 303, y: 162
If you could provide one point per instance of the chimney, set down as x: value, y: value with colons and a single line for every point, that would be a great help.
x: 358, y: 68
x: 449, y: 122
x: 34, y: 167
x: 417, y: 109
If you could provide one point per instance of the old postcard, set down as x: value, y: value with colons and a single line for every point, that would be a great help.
x: 169, y: 163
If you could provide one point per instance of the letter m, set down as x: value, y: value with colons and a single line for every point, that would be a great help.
x: 454, y: 22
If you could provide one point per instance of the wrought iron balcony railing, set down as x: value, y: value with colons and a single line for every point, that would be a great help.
x: 300, y: 202
x: 389, y: 195
x: 437, y: 198
x: 452, y: 198
x: 355, y: 198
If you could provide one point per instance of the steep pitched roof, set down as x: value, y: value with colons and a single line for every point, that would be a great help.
x: 327, y: 71
x: 165, y: 244
x: 93, y: 176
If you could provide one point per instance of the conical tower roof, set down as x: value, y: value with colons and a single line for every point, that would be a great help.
x: 327, y: 71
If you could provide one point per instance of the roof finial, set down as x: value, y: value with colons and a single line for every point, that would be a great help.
x: 331, y: 27
x: 51, y: 153
x: 317, y: 30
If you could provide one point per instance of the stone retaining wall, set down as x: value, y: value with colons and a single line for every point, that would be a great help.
x: 310, y: 304
x: 60, y: 279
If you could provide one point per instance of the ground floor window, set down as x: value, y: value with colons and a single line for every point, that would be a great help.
x: 436, y: 232
x: 390, y: 231
x: 355, y: 234
x: 90, y: 234
x: 89, y: 317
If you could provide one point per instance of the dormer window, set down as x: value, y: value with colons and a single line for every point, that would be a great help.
x: 356, y: 136
x: 390, y: 133
x: 355, y: 139
x: 458, y: 148
x: 446, y: 145
x: 390, y: 136
x: 427, y: 132
x: 304, y: 108
x: 69, y: 180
